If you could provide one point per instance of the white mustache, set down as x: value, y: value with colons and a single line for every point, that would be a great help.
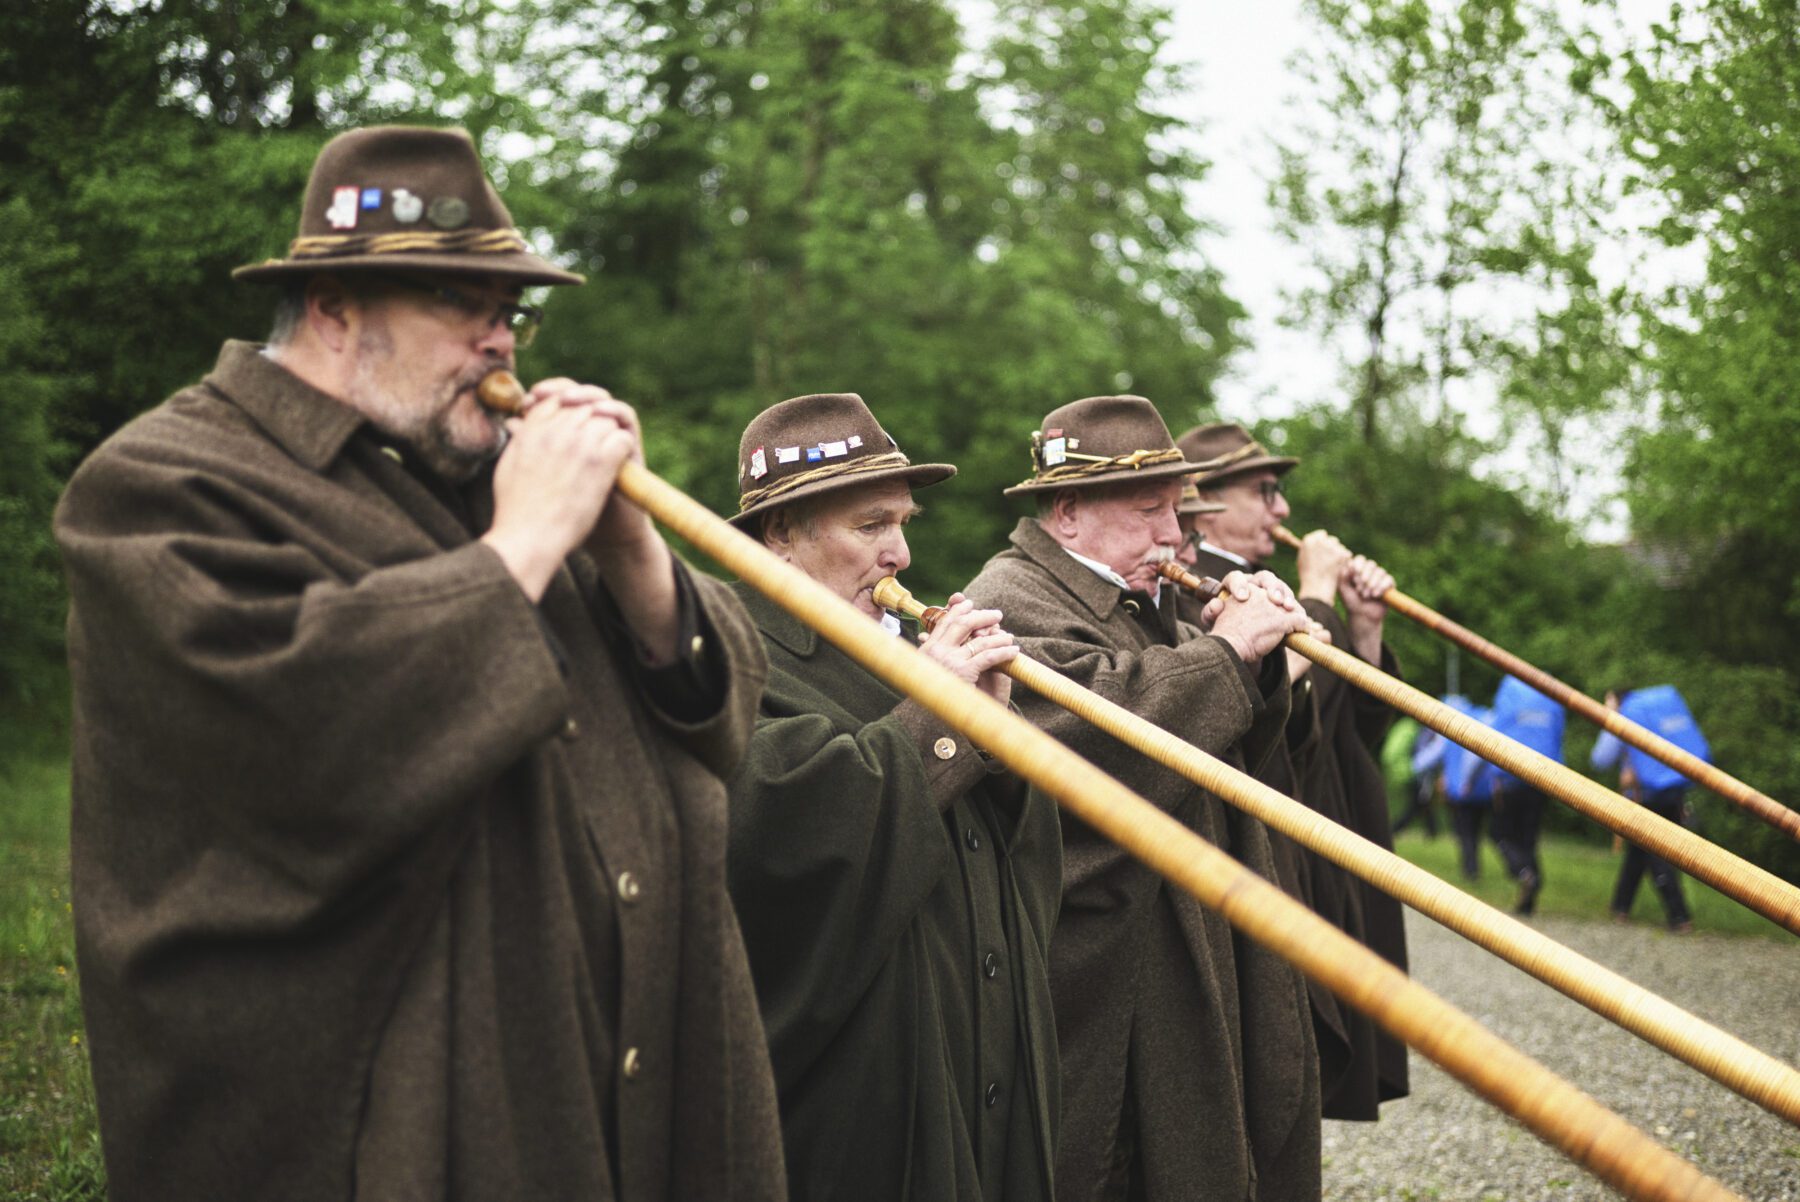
x: 1160, y: 555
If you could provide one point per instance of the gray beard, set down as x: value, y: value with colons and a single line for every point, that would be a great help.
x: 427, y: 435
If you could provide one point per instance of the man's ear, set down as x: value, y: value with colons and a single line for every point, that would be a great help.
x: 1063, y: 507
x: 778, y: 534
x: 332, y: 311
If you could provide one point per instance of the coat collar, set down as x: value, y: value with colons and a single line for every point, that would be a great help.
x: 788, y: 632
x: 1098, y: 595
x: 310, y: 425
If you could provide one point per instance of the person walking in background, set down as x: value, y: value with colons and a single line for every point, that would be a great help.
x: 1413, y: 790
x: 1655, y: 786
x: 1467, y: 781
x: 1526, y: 716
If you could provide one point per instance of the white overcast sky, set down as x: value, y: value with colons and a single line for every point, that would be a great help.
x: 1243, y: 94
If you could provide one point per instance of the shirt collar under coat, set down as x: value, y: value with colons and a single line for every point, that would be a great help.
x: 310, y: 425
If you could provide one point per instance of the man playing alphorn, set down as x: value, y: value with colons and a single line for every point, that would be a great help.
x: 1189, y: 1070
x: 896, y: 896
x: 1335, y: 729
x: 398, y: 837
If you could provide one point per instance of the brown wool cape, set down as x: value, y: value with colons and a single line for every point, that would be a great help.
x: 897, y: 900
x: 1184, y: 1046
x: 352, y: 827
x: 1342, y: 780
x: 1360, y: 1065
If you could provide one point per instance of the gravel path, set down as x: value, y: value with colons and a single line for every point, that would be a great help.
x: 1444, y: 1142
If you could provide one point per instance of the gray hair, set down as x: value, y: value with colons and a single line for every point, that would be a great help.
x: 290, y: 311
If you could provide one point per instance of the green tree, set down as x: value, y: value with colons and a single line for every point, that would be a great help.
x: 1452, y: 249
x: 825, y: 198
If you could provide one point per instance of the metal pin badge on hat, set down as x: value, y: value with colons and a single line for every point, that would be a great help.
x: 342, y: 213
x: 448, y: 212
x: 407, y: 207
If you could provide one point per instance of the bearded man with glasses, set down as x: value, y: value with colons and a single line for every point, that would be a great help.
x: 399, y: 830
x: 1328, y: 757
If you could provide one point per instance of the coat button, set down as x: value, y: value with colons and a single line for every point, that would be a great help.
x: 990, y: 965
x: 944, y: 748
x: 993, y: 1093
x: 697, y: 646
x: 633, y: 1064
x: 393, y: 454
x: 1132, y: 607
x: 972, y: 839
x: 571, y: 730
x: 629, y: 888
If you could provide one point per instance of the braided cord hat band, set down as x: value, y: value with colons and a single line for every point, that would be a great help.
x: 855, y: 467
x: 1100, y: 466
x: 472, y: 241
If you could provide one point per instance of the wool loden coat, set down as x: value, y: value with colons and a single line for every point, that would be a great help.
x: 1331, y: 770
x: 1187, y: 1049
x: 1342, y: 780
x: 387, y: 882
x: 897, y: 900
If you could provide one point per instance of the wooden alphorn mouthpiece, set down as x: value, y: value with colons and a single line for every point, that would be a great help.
x: 891, y: 594
x: 1287, y: 538
x: 501, y: 392
x: 1204, y: 586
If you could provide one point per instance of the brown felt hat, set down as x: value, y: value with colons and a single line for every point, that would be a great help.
x: 808, y: 445
x: 1225, y: 449
x: 1191, y: 503
x: 406, y: 197
x: 1102, y: 440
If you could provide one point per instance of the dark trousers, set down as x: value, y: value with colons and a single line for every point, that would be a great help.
x: 1518, y: 810
x: 1665, y: 803
x: 1467, y: 820
x: 1421, y: 799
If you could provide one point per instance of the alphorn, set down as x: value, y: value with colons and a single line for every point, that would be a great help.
x: 1768, y: 1082
x: 1751, y: 800
x: 1555, y: 1110
x: 1731, y: 875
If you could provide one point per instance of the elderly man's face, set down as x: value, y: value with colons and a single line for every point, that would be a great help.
x: 418, y: 359
x: 1129, y: 528
x: 1247, y: 526
x: 847, y: 540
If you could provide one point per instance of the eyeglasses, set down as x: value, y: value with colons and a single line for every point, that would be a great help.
x: 1268, y: 490
x: 522, y: 320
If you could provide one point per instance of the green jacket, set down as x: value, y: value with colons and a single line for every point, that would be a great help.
x: 897, y: 901
x: 1187, y: 1050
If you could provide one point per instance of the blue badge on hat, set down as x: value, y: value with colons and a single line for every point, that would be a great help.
x: 371, y: 198
x: 813, y: 454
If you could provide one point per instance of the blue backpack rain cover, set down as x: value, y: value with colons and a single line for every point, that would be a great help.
x: 1661, y: 711
x: 1524, y: 715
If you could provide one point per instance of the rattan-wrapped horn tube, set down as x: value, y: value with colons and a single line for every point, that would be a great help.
x: 1587, y: 1132
x: 1731, y: 875
x: 1750, y: 800
x: 1727, y: 1059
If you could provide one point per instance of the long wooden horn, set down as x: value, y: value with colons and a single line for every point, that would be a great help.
x: 1562, y: 1115
x: 1756, y: 1075
x: 1731, y: 875
x: 1751, y: 800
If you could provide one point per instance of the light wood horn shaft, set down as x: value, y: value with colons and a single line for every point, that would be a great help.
x: 1722, y: 1056
x: 1562, y: 1115
x: 1731, y: 875
x: 1708, y: 776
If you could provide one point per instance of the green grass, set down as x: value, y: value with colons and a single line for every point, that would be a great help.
x: 1578, y: 883
x: 49, y: 1144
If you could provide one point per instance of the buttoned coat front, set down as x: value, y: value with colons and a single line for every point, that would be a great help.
x: 897, y: 900
x: 387, y: 882
x: 1185, y: 1047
